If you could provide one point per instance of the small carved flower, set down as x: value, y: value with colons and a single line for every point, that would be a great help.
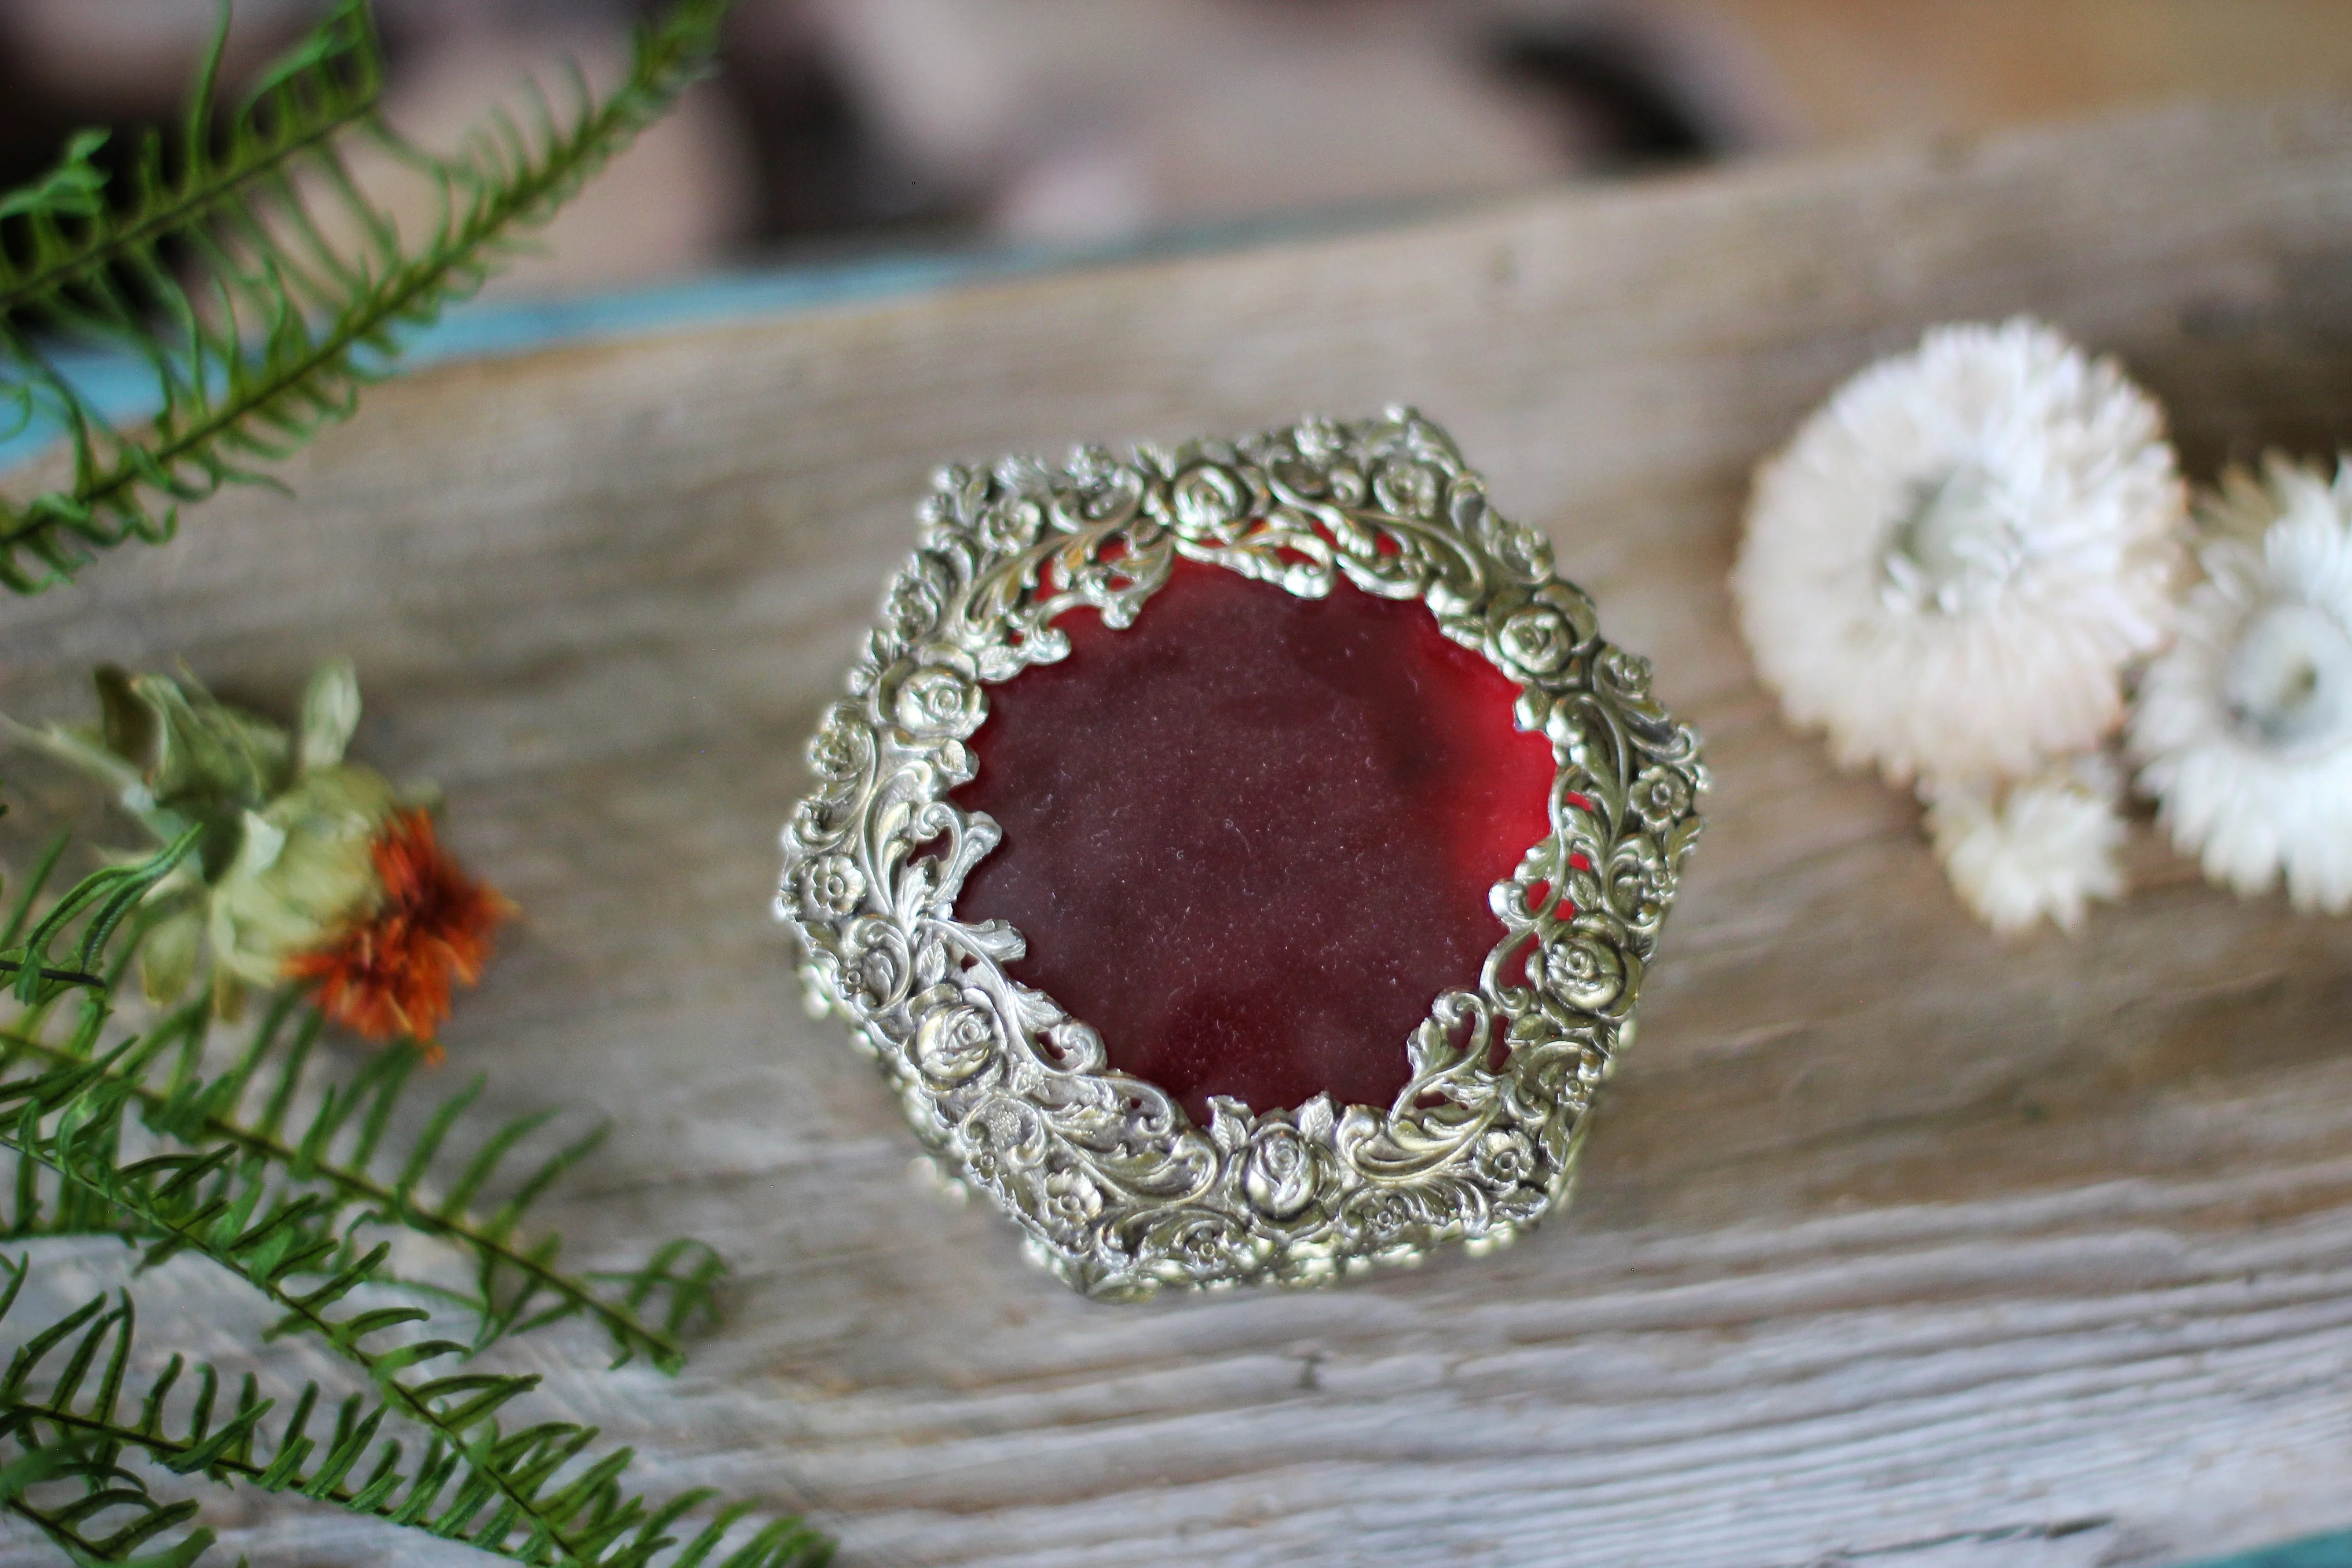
x: 1543, y: 1062
x: 1583, y: 974
x: 1380, y: 1215
x: 1072, y: 1199
x: 830, y: 887
x: 1203, y: 1243
x: 1320, y: 438
x: 1407, y: 489
x: 839, y: 749
x: 913, y: 607
x: 938, y: 700
x: 1640, y: 883
x: 1504, y: 1159
x: 955, y: 1042
x: 1523, y: 550
x: 1280, y: 1173
x: 1660, y: 797
x: 1093, y: 466
x: 1626, y: 672
x: 1009, y: 525
x: 1005, y: 1137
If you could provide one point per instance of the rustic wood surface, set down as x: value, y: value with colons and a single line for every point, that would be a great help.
x: 1892, y: 1240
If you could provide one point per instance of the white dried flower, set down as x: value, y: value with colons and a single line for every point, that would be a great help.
x: 1950, y: 565
x: 2245, y: 725
x: 2038, y: 850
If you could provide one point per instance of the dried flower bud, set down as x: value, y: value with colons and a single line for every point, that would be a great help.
x: 304, y: 871
x: 313, y: 871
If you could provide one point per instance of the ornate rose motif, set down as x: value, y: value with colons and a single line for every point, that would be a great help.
x: 1279, y: 1172
x: 1583, y: 974
x: 1210, y: 504
x: 956, y: 1041
x: 1536, y: 638
x: 938, y: 700
x: 1118, y: 1191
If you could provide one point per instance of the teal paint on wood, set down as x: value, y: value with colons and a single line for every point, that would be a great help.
x: 2333, y: 1550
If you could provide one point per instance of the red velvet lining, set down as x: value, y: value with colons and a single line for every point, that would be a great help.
x: 1250, y: 838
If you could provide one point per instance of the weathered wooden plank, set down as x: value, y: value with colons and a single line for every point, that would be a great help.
x: 1892, y: 1238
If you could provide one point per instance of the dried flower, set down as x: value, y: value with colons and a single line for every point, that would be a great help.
x: 311, y: 869
x: 1950, y: 565
x: 2245, y: 725
x: 390, y: 971
x: 2040, y: 849
x: 305, y: 867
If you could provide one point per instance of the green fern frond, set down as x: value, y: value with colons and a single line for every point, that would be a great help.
x: 66, y: 1524
x: 538, y: 1495
x: 99, y: 902
x: 102, y: 902
x: 218, y: 270
x: 338, y: 1148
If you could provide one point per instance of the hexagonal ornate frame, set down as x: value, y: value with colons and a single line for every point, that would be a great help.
x: 1120, y: 1193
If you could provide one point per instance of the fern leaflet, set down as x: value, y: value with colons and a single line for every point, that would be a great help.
x: 536, y: 1495
x: 339, y: 1150
x: 218, y: 269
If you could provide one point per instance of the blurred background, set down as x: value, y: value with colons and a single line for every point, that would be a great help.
x: 844, y: 128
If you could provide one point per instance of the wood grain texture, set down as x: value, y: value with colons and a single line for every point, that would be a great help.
x: 1892, y: 1239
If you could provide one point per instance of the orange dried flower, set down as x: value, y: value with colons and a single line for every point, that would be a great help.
x: 390, y: 974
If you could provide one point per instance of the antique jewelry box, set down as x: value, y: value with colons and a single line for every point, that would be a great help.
x: 1242, y: 859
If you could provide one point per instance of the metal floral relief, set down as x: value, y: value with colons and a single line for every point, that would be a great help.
x: 1119, y: 1192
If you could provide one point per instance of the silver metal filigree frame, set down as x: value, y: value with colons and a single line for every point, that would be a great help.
x: 1119, y: 1192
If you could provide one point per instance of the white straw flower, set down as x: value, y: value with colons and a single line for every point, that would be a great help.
x: 1950, y: 565
x: 2037, y: 850
x: 2246, y: 724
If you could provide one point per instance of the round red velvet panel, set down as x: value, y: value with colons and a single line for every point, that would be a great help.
x: 1250, y: 837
